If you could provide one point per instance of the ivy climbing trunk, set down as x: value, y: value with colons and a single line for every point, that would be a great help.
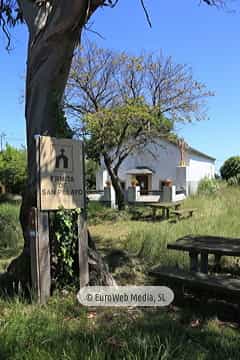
x: 54, y: 30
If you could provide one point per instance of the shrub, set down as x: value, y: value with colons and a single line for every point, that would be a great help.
x: 10, y: 229
x: 230, y: 168
x: 208, y: 186
x: 13, y: 169
x: 234, y: 180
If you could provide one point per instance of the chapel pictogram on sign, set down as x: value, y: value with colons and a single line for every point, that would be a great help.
x: 62, y: 160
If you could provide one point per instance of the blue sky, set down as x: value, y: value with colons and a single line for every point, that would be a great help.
x: 205, y: 38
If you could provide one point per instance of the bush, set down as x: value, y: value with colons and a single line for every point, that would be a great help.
x: 234, y: 180
x: 10, y: 228
x: 208, y: 186
x: 13, y: 169
x: 230, y: 168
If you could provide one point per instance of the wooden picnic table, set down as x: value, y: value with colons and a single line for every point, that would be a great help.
x: 165, y: 206
x: 205, y: 245
x: 225, y: 286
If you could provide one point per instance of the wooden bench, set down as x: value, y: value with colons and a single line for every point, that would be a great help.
x: 204, y: 245
x: 223, y: 286
x: 181, y: 213
x: 166, y: 207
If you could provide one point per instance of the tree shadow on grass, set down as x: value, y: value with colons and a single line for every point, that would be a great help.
x: 203, y: 305
x: 204, y: 308
x: 14, y: 284
x: 112, y: 334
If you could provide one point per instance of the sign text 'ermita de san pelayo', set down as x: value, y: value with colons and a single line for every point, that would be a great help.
x: 61, y: 173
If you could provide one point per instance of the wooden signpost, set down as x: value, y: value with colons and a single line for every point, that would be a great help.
x: 40, y: 255
x: 60, y: 184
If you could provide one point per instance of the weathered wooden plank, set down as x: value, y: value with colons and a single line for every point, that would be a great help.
x: 218, y: 284
x: 211, y: 244
x: 44, y: 256
x: 38, y: 170
x: 161, y: 205
x: 193, y: 259
x: 40, y: 255
x: 83, y: 250
x: 184, y: 211
x: 217, y: 260
x: 83, y: 234
x: 204, y: 263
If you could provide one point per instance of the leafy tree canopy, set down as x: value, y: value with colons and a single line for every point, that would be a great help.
x: 230, y: 168
x: 13, y: 169
x: 125, y: 128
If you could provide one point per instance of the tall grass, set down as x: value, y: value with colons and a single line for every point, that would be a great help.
x: 11, y: 239
x: 217, y: 214
x: 10, y: 229
x: 64, y: 330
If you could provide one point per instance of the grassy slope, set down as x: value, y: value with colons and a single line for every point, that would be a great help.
x: 65, y: 330
x: 216, y: 215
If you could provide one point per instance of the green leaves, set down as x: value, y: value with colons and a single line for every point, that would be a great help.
x: 65, y: 246
x: 230, y: 168
x: 13, y: 169
x: 134, y: 120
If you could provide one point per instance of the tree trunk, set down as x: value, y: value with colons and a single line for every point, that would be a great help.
x: 116, y: 183
x: 119, y: 191
x: 53, y: 34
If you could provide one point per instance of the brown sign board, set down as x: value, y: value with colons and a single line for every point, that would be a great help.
x: 61, y: 173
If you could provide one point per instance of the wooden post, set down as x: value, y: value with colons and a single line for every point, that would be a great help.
x: 83, y: 250
x: 204, y: 263
x: 40, y: 255
x: 48, y: 183
x: 83, y: 237
x: 168, y: 213
x: 193, y: 257
x: 40, y: 245
x: 177, y: 206
x: 217, y: 259
x: 163, y: 212
x: 154, y: 211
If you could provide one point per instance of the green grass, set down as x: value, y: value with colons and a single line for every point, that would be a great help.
x: 63, y: 329
x: 217, y: 215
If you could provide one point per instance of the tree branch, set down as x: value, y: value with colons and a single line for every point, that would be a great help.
x: 30, y: 10
x: 146, y: 13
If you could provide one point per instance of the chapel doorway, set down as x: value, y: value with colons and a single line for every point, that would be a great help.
x: 143, y: 182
